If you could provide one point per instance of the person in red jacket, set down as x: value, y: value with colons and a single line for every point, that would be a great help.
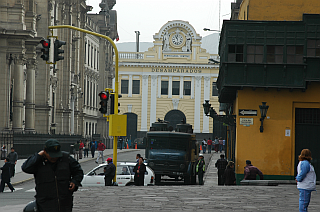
x: 81, y: 149
x: 209, y: 142
x: 101, y: 147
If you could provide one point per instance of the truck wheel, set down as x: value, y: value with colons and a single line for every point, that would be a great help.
x: 158, y: 179
x: 187, y: 179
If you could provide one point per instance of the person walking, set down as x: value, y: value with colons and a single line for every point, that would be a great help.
x: 306, y: 179
x: 57, y: 176
x: 139, y: 171
x: 109, y: 172
x: 101, y: 148
x: 216, y: 144
x: 221, y: 166
x: 220, y: 144
x: 76, y: 150
x: 81, y: 149
x: 5, y: 175
x: 13, y: 157
x: 93, y: 147
x: 200, y: 168
x: 251, y: 172
x: 86, y: 148
x: 3, y: 152
x: 209, y: 145
x: 121, y: 142
x: 204, y: 146
x: 229, y: 177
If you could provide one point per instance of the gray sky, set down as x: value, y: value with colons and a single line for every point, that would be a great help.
x: 148, y: 16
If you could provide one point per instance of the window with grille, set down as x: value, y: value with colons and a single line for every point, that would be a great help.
x: 135, y: 86
x: 235, y: 53
x: 187, y: 88
x: 214, y: 89
x: 164, y: 87
x: 124, y: 86
x: 254, y: 54
x: 175, y: 87
x: 274, y: 54
x: 307, y: 116
x: 294, y: 54
x: 313, y: 48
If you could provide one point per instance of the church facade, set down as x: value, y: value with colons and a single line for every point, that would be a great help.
x: 170, y: 81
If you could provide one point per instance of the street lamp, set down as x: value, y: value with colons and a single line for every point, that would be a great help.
x: 214, y: 30
x: 206, y: 107
x: 263, y: 110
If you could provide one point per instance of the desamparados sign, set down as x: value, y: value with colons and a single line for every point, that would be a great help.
x: 177, y: 70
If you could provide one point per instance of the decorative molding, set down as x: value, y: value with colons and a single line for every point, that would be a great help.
x: 154, y: 80
x: 198, y: 80
x: 207, y: 81
x: 175, y: 103
x: 129, y: 108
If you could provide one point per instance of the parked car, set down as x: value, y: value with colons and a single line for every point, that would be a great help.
x: 125, y: 175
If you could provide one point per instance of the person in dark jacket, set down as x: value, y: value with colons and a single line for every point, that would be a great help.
x: 221, y: 166
x: 200, y: 168
x: 13, y: 157
x: 139, y: 171
x: 57, y: 175
x: 5, y: 175
x: 251, y: 172
x: 109, y: 172
x: 229, y: 175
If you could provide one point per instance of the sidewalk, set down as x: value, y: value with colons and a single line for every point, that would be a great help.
x: 21, y: 177
x: 211, y: 175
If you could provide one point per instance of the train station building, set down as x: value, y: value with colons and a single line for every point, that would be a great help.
x: 170, y: 81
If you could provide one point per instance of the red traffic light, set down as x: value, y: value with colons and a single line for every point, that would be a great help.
x: 103, y: 96
x: 44, y: 43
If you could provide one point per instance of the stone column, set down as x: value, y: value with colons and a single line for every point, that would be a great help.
x: 18, y: 93
x: 206, y: 96
x: 170, y: 87
x: 197, y: 104
x: 130, y: 86
x: 153, y: 102
x: 181, y: 88
x: 30, y: 96
x: 144, y: 105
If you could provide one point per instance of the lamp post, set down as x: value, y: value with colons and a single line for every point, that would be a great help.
x: 263, y: 110
x: 209, y: 111
x: 213, y: 30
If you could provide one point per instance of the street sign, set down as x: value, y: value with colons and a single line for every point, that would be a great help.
x: 246, y: 121
x: 247, y: 112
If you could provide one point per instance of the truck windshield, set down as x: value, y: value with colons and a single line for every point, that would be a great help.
x: 165, y: 143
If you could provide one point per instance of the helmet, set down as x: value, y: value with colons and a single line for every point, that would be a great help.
x: 109, y: 159
x: 200, y: 155
x: 31, y: 207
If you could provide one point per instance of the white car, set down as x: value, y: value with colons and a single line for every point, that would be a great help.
x: 125, y: 175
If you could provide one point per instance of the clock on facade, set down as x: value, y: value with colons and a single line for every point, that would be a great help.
x: 177, y: 39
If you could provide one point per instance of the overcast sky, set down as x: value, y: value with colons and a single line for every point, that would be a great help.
x: 148, y: 16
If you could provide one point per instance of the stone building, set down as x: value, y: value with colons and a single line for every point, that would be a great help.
x: 59, y: 99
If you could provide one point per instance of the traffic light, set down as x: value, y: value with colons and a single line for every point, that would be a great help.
x: 112, y: 103
x: 57, y: 51
x: 104, y: 97
x: 45, y: 49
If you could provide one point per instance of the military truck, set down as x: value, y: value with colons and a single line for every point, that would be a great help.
x: 172, y: 153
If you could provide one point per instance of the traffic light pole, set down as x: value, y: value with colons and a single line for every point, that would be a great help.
x: 115, y: 140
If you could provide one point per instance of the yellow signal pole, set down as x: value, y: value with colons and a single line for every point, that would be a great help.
x: 115, y: 140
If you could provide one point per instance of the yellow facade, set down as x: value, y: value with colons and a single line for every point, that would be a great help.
x: 176, y: 58
x: 275, y: 10
x: 272, y: 150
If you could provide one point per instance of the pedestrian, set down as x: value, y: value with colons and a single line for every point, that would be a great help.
x: 57, y: 176
x: 109, y: 172
x: 5, y: 175
x: 224, y: 145
x: 229, y: 176
x: 121, y: 142
x: 200, y: 168
x: 13, y: 157
x: 251, y: 172
x: 101, y: 148
x: 306, y: 179
x: 216, y: 144
x: 221, y: 166
x: 81, y: 149
x: 139, y: 171
x: 220, y: 144
x: 3, y: 152
x: 86, y: 148
x: 137, y: 157
x: 93, y: 147
x: 204, y: 145
x: 209, y: 145
x: 76, y: 150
